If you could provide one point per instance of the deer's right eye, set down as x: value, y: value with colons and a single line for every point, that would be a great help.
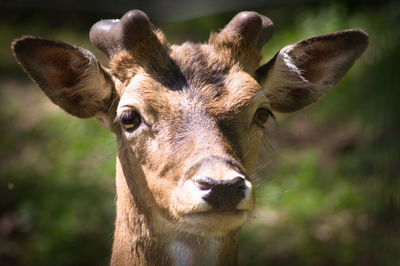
x: 130, y: 120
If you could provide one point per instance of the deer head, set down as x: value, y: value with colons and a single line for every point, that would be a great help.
x: 188, y: 118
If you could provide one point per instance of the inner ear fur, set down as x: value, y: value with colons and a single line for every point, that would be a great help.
x: 302, y: 72
x: 70, y: 76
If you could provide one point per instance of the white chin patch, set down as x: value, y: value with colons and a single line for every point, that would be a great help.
x: 213, y: 223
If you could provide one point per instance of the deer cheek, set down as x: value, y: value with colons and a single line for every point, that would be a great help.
x: 252, y: 149
x: 161, y: 190
x: 160, y: 182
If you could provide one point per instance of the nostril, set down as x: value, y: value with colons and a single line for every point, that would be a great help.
x: 238, y: 182
x: 205, y: 183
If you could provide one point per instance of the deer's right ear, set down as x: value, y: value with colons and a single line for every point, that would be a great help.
x: 304, y: 71
x: 70, y: 76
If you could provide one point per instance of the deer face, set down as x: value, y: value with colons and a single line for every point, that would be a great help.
x: 189, y: 119
x: 199, y: 141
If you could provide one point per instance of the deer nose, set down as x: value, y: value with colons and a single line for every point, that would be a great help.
x: 222, y: 194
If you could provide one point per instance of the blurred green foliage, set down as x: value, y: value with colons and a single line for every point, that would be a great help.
x: 56, y: 184
x: 328, y: 196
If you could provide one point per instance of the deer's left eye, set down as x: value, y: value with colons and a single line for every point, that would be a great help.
x: 261, y: 116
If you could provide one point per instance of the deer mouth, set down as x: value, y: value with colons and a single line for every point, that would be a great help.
x: 214, y: 221
x: 224, y: 213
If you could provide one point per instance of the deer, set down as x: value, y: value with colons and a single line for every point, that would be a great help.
x: 189, y: 121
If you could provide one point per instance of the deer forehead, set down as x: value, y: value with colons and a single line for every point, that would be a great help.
x: 209, y: 84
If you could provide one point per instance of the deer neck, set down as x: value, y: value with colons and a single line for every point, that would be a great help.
x: 139, y: 240
x: 187, y: 249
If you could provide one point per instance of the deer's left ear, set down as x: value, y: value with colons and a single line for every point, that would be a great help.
x: 70, y: 76
x: 302, y: 72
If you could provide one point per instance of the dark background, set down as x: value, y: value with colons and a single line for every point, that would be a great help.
x: 327, y: 184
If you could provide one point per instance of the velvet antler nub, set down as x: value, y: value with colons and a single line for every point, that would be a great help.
x: 254, y: 28
x: 114, y: 36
